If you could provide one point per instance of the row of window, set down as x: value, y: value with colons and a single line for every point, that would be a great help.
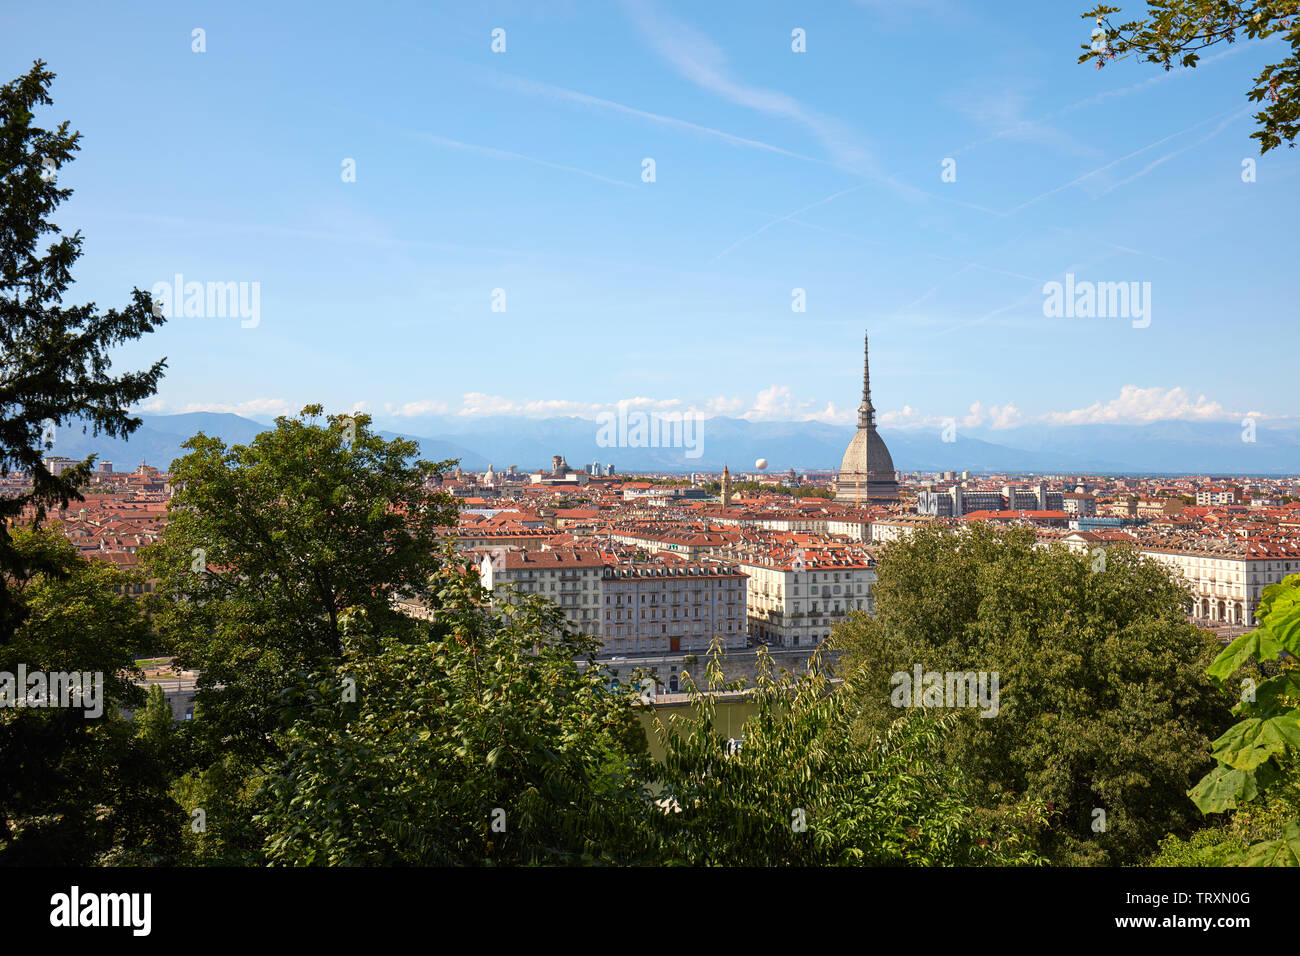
x: 663, y: 614
x: 716, y: 598
x: 677, y: 629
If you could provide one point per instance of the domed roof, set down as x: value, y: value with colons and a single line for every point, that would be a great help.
x: 868, y: 455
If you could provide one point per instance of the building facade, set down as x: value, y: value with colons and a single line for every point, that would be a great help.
x: 672, y: 606
x: 795, y: 600
x: 1224, y: 579
x: 632, y: 607
x: 571, y: 577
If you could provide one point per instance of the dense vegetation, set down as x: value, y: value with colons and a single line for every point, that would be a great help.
x: 1104, y: 702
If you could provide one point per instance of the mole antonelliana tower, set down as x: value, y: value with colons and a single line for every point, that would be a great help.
x: 867, y: 472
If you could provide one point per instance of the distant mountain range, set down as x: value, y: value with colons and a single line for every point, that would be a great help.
x: 1171, y: 447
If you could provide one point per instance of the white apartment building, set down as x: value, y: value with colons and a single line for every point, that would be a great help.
x: 57, y: 465
x: 634, y: 608
x: 1079, y: 503
x: 1225, y: 578
x: 790, y: 521
x: 796, y: 598
x: 853, y: 527
x: 1210, y: 497
x: 899, y: 526
x: 672, y: 606
x: 571, y: 577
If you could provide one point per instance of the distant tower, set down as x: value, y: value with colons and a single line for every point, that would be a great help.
x: 726, y: 487
x: 867, y: 471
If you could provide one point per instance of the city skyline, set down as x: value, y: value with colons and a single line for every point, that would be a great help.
x: 634, y: 433
x: 520, y: 171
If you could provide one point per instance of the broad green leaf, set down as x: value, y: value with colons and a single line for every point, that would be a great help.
x: 1283, y: 621
x: 1225, y: 788
x: 1282, y: 852
x: 1270, y: 694
x: 1250, y: 742
x: 1258, y: 645
x: 1275, y: 592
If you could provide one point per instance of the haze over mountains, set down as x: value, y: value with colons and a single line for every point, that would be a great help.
x: 1170, y: 447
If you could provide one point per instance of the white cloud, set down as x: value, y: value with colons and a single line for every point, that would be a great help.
x: 727, y: 407
x: 995, y: 416
x: 777, y: 403
x: 413, y: 409
x: 1135, y: 405
x: 254, y: 406
x: 1005, y: 416
x: 907, y: 417
x: 478, y: 405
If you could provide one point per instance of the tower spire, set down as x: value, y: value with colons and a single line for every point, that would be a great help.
x: 866, y: 411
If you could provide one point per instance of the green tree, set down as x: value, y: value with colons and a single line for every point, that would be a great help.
x: 266, y: 546
x: 480, y: 740
x: 155, y: 722
x: 802, y: 491
x: 802, y: 791
x: 1177, y: 30
x: 54, y: 358
x: 79, y: 788
x: 1229, y: 843
x: 1102, y: 703
x: 487, y: 743
x: 74, y: 787
x: 1257, y: 772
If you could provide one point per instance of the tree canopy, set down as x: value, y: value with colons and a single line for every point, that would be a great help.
x: 54, y: 358
x: 1103, y: 704
x: 1176, y: 31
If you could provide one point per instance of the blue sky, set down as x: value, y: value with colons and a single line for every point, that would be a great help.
x: 774, y: 171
